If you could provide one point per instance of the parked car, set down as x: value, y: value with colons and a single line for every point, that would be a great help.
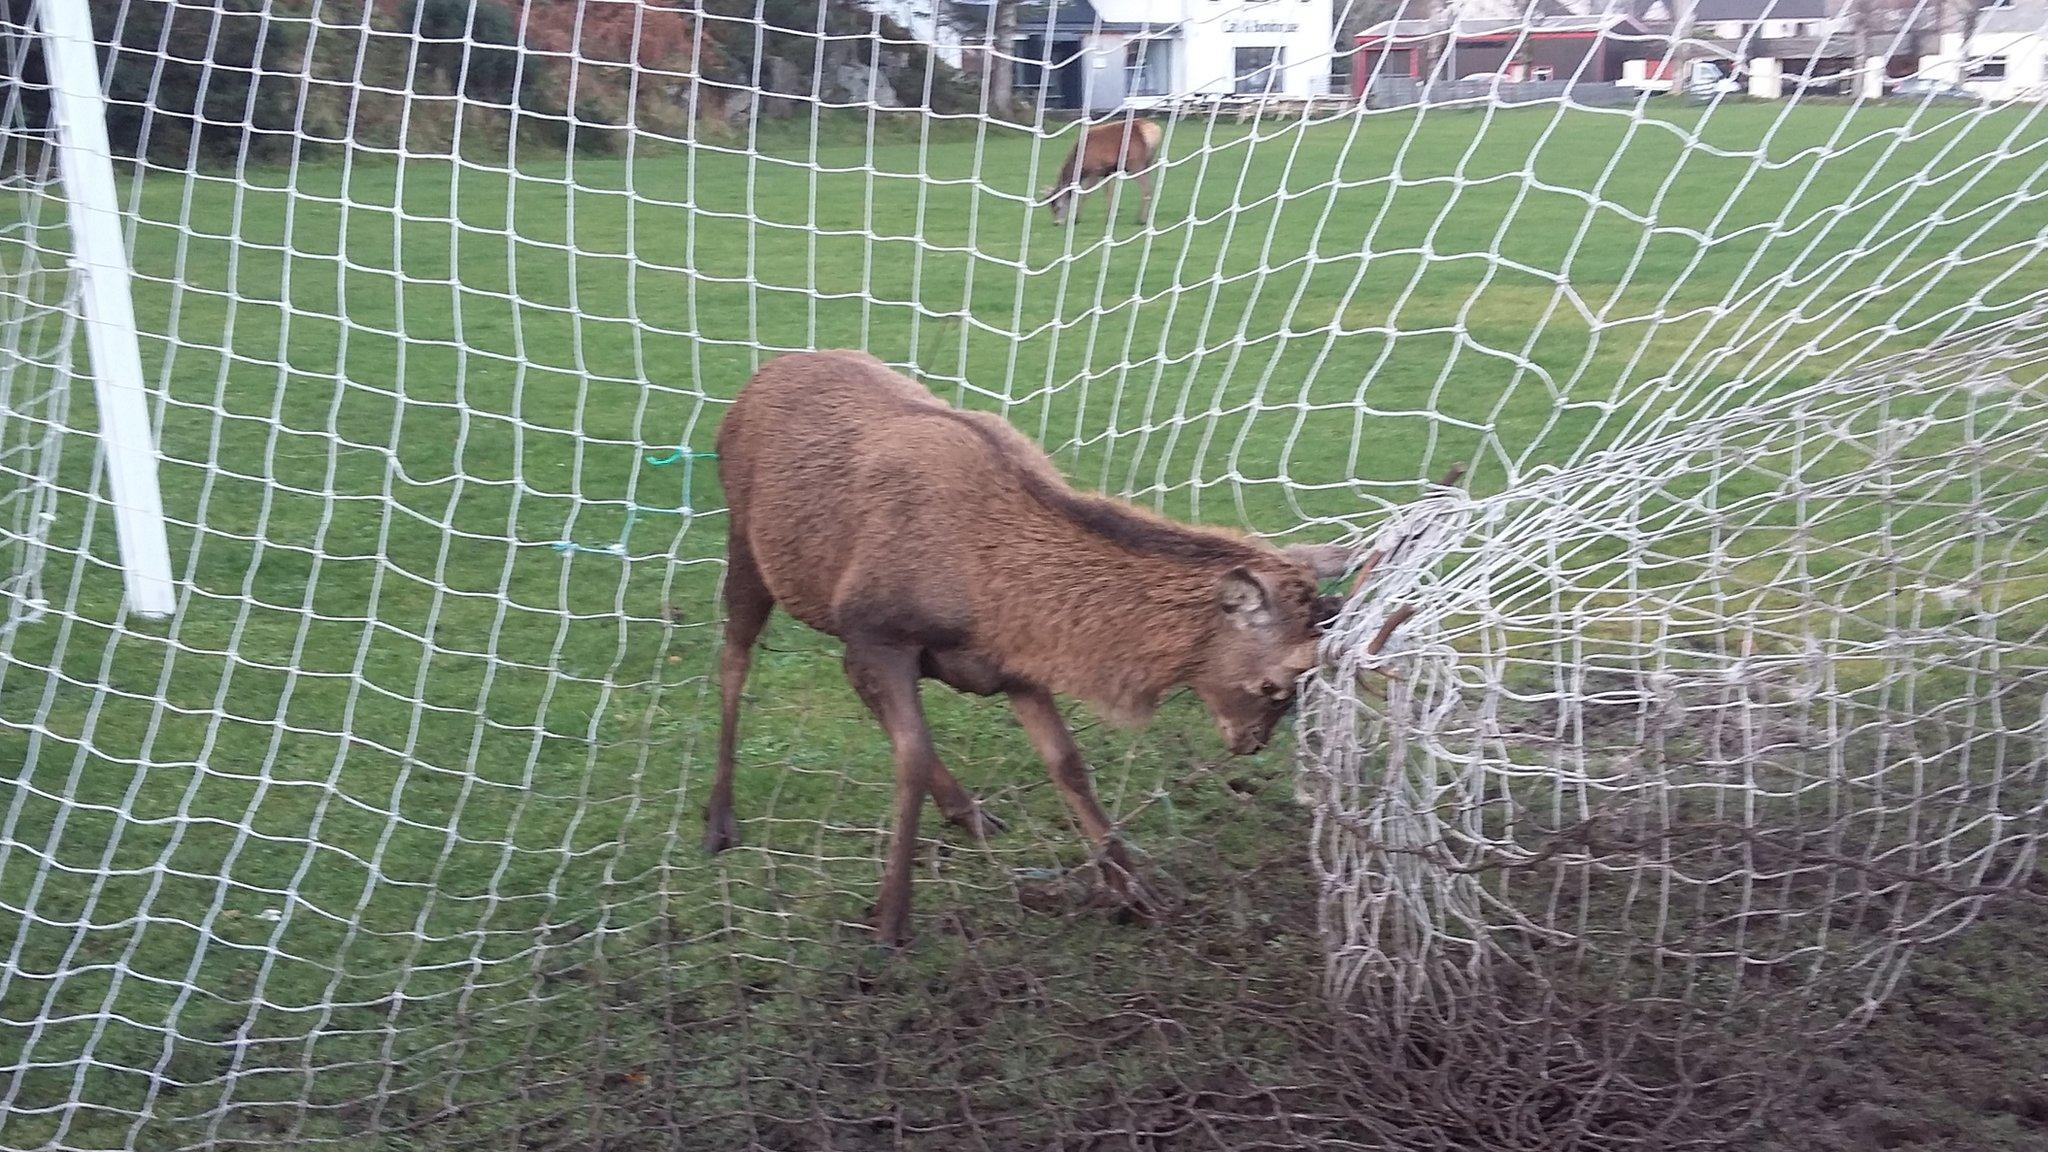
x: 1922, y: 88
x: 1708, y: 79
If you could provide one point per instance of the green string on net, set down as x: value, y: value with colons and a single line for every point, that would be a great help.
x: 688, y: 458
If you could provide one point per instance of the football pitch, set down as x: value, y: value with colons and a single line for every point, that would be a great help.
x: 389, y: 836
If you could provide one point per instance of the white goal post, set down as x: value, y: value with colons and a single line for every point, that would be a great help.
x: 100, y: 258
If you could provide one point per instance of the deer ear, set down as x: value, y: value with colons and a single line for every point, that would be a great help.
x: 1324, y: 561
x: 1244, y: 598
x: 1327, y: 608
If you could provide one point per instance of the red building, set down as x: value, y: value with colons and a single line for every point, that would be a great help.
x: 1583, y: 49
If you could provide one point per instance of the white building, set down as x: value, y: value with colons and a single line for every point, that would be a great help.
x: 1100, y: 55
x: 2006, y: 57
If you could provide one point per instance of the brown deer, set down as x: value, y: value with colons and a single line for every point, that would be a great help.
x: 1128, y: 145
x: 941, y: 544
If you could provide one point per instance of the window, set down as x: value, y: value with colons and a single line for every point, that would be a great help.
x: 1148, y: 67
x: 1989, y: 68
x: 1258, y: 71
x: 1029, y: 67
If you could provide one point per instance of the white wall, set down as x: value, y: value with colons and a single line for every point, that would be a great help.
x: 1205, y: 37
x: 1102, y: 76
x: 1299, y: 28
x: 1204, y: 55
x: 2026, y: 64
x: 1947, y: 63
x: 1766, y: 78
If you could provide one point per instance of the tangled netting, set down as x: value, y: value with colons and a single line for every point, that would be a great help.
x: 1646, y: 755
x: 1664, y: 762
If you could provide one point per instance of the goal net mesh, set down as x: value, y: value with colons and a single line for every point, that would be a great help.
x: 1642, y: 760
x: 36, y: 331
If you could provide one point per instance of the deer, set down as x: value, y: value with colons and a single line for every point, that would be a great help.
x: 938, y: 543
x: 1128, y: 145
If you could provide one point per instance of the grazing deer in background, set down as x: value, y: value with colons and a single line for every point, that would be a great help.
x: 941, y: 544
x: 1127, y: 145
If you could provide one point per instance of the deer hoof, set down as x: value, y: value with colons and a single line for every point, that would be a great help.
x: 979, y: 823
x: 721, y: 831
x: 1143, y: 904
x: 1132, y: 900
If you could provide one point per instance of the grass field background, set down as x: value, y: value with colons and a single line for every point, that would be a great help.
x: 312, y: 859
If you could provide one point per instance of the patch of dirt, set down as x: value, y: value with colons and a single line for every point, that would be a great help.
x: 1041, y: 1020
x: 1956, y: 1060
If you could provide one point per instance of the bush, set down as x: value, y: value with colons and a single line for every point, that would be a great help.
x: 202, y: 80
x: 615, y: 64
x: 208, y: 81
x: 470, y: 42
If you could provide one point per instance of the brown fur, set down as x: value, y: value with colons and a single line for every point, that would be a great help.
x: 942, y: 544
x: 1126, y: 145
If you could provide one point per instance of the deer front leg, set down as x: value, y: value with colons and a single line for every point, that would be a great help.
x: 1055, y: 745
x: 886, y: 679
x: 747, y: 604
x: 959, y: 806
x: 962, y: 672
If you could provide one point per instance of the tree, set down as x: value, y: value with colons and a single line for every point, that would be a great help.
x: 1357, y: 15
x: 215, y: 78
x: 1000, y: 73
x: 470, y: 42
x: 617, y: 62
x: 1855, y: 14
x: 1683, y: 13
x: 989, y: 27
x: 1441, y: 28
x: 1960, y: 18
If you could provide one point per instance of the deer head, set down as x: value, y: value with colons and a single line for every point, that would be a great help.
x: 1268, y: 623
x: 1059, y: 199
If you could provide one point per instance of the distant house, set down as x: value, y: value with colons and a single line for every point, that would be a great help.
x: 1826, y: 46
x: 1560, y: 46
x: 2004, y: 58
x: 1770, y: 22
x: 1101, y: 55
x: 1769, y: 43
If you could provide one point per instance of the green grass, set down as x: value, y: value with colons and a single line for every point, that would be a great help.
x: 335, y: 833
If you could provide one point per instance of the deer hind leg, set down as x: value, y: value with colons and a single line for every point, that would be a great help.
x: 886, y: 678
x: 747, y: 605
x: 1055, y: 745
x: 1145, y: 195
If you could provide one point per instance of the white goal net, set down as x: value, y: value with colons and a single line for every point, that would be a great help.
x: 1644, y: 757
x: 36, y: 331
